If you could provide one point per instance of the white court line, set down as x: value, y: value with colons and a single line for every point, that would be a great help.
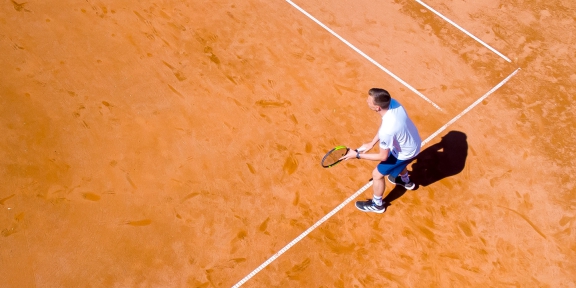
x: 470, y: 107
x: 339, y: 207
x: 462, y: 29
x: 364, y: 55
x: 304, y: 234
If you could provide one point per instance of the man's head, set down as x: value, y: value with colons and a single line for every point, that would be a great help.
x: 378, y: 99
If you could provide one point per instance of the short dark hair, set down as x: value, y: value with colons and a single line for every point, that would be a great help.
x: 381, y: 97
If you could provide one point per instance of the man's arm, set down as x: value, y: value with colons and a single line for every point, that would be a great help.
x: 375, y: 140
x: 368, y: 146
x: 382, y: 156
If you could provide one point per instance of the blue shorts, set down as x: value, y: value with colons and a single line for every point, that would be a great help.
x: 392, y: 166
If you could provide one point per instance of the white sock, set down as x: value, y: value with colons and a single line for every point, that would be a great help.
x: 405, y: 178
x: 377, y: 200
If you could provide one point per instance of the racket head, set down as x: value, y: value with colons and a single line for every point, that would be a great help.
x: 333, y: 156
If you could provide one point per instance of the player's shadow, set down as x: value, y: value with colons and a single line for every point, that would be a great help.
x: 441, y: 160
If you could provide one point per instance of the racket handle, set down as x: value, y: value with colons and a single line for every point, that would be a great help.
x: 361, y: 149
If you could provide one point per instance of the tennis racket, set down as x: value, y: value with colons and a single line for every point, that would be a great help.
x: 333, y: 156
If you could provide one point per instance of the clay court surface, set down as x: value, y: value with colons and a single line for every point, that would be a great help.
x: 177, y: 143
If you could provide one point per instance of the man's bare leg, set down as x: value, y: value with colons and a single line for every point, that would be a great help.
x: 409, y: 185
x: 379, y: 186
x: 404, y: 175
x: 404, y: 171
x: 376, y: 204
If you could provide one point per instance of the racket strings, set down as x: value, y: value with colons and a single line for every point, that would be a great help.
x: 334, y: 156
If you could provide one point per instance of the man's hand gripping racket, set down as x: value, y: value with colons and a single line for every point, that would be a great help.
x: 339, y: 153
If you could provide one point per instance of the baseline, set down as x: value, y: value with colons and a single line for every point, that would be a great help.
x: 365, y: 187
x: 364, y: 55
x: 463, y: 30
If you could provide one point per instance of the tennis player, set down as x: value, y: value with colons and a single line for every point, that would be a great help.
x: 399, y: 143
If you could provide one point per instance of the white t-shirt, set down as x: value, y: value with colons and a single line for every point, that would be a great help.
x: 398, y: 133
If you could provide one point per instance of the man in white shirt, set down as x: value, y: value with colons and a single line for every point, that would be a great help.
x: 399, y: 143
